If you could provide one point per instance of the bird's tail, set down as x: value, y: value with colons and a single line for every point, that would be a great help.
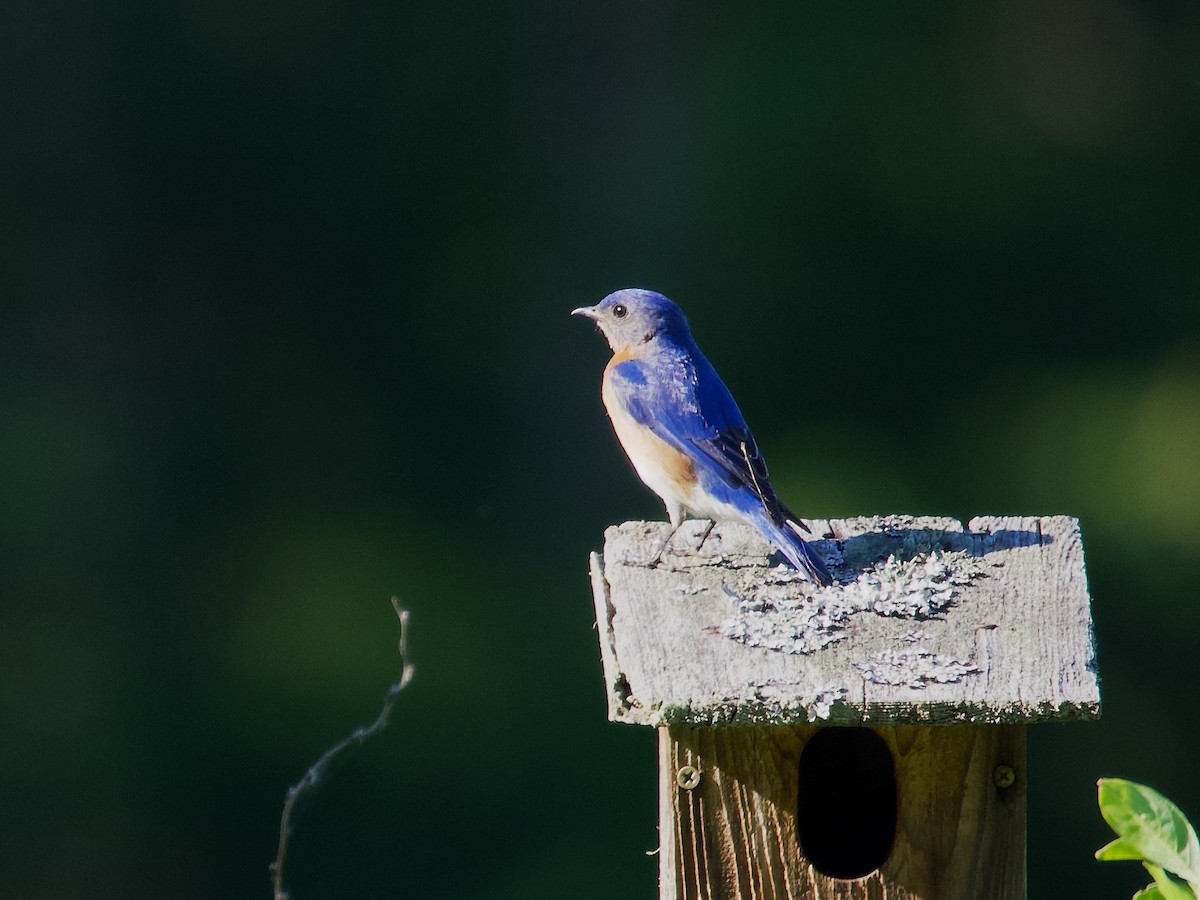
x: 786, y: 537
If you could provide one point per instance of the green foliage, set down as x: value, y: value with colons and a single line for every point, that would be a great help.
x: 1152, y: 829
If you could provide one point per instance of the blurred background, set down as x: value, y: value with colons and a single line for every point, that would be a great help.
x: 284, y: 295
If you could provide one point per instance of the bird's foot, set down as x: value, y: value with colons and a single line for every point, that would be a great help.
x: 656, y: 560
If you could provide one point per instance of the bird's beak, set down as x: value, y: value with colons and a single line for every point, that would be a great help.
x: 589, y: 312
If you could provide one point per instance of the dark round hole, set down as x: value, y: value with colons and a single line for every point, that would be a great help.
x: 846, y: 808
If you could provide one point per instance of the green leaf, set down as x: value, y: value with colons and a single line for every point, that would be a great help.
x: 1151, y: 825
x: 1118, y: 849
x: 1149, y: 892
x: 1168, y: 889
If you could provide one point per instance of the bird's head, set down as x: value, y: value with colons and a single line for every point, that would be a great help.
x: 631, y: 317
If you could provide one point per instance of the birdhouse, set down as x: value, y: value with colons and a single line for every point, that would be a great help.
x: 862, y: 740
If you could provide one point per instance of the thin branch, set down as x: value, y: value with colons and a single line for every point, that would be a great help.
x: 317, y: 771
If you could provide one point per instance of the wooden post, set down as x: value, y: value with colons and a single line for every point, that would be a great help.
x: 733, y: 832
x: 860, y: 741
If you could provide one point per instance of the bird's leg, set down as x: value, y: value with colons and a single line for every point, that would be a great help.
x: 712, y: 523
x: 656, y: 560
x: 675, y: 514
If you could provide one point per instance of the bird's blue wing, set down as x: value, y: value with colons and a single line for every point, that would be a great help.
x: 697, y: 415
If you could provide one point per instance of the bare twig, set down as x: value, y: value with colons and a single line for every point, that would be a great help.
x: 318, y: 769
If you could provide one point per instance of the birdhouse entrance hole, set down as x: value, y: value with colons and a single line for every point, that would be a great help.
x: 846, y: 803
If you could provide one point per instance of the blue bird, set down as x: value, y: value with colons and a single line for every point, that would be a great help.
x: 682, y: 430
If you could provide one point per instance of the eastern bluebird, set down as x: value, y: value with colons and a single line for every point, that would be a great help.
x: 681, y: 428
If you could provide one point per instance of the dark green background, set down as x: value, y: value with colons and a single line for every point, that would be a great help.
x: 284, y: 291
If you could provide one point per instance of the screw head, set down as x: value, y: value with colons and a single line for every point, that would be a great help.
x: 687, y: 777
x: 1003, y: 776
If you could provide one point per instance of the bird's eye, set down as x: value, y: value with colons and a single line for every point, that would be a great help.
x: 620, y: 311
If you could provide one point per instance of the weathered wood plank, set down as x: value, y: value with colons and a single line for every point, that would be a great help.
x: 930, y: 622
x: 733, y: 835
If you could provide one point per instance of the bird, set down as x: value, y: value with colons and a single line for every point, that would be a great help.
x: 682, y: 429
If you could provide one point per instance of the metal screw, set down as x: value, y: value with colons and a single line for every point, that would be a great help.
x: 687, y: 777
x: 1003, y: 776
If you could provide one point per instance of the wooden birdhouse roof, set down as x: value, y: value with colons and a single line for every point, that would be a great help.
x: 927, y: 622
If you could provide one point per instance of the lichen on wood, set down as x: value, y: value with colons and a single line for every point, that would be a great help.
x: 927, y: 621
